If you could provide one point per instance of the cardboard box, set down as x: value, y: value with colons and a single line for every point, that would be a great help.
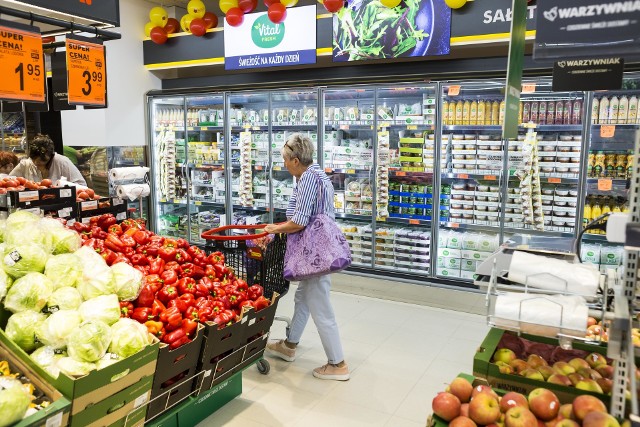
x: 483, y: 368
x: 452, y: 253
x: 221, y: 352
x: 452, y: 263
x: 469, y: 265
x: 90, y: 209
x: 475, y: 255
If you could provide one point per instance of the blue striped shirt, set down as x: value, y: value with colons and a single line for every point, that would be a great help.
x: 305, y: 201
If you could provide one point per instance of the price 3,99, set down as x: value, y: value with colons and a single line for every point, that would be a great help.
x: 96, y: 76
x: 32, y: 70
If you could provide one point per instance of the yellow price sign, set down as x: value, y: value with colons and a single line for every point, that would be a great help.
x: 21, y: 65
x: 412, y: 127
x: 86, y: 72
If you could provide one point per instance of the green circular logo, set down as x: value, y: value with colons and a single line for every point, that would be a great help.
x: 266, y: 34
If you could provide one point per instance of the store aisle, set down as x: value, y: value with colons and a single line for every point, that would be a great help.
x: 400, y: 356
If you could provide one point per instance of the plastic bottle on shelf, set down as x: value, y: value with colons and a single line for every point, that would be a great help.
x: 604, y: 111
x: 459, y: 108
x: 606, y: 205
x: 551, y: 112
x: 591, y: 163
x: 614, y: 105
x: 534, y: 111
x: 559, y: 112
x: 586, y: 217
x: 473, y: 113
x: 595, y: 111
x: 576, y: 112
x: 567, y: 116
x: 610, y: 164
x: 466, y: 112
x: 482, y: 111
x: 520, y: 112
x: 632, y: 115
x: 542, y: 113
x: 452, y: 113
x: 621, y: 165
x: 501, y: 114
x: 445, y: 113
x: 599, y: 164
x: 526, y: 112
x: 616, y: 208
x: 596, y: 210
x: 623, y: 110
x: 495, y: 112
x: 629, y: 164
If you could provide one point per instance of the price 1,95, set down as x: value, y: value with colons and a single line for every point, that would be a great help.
x: 32, y: 70
x: 90, y: 77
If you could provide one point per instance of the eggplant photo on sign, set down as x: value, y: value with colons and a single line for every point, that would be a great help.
x: 367, y: 29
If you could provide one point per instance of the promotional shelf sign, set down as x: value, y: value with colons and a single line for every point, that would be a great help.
x: 588, y: 74
x: 86, y: 71
x: 259, y: 43
x: 366, y: 29
x: 21, y: 63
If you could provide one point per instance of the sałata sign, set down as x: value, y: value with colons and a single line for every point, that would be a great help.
x: 479, y: 18
x: 583, y: 28
x: 259, y: 43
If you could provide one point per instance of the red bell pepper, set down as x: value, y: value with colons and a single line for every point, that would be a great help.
x: 115, y: 229
x: 105, y: 221
x: 189, y: 299
x: 205, y: 314
x: 157, y: 307
x: 196, y: 252
x: 179, y: 343
x: 173, y: 336
x: 221, y: 270
x: 172, y: 318
x: 186, y: 285
x: 226, y: 301
x: 129, y: 252
x: 128, y: 241
x: 154, y: 281
x: 167, y: 293
x: 246, y: 303
x: 126, y: 308
x: 114, y: 243
x: 215, y: 258
x: 144, y: 269
x: 182, y: 256
x: 169, y: 277
x: 225, y: 318
x: 146, y: 297
x: 201, y: 290
x: 179, y: 304
x: 121, y: 258
x: 142, y: 314
x: 191, y: 313
x: 241, y: 285
x: 139, y: 259
x: 172, y: 265
x: 182, y: 243
x: 156, y: 265
x: 217, y: 292
x: 108, y: 255
x: 98, y: 233
x: 167, y: 253
x: 261, y: 303
x: 141, y: 237
x: 202, y: 302
x: 81, y: 228
x: 189, y: 326
x: 255, y: 291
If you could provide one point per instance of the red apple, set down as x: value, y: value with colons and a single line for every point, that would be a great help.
x: 504, y: 355
x: 520, y: 417
x: 575, y: 378
x: 589, y: 385
x: 559, y: 379
x: 584, y: 404
x: 566, y: 411
x: 599, y: 419
x: 596, y: 359
x: 563, y: 368
x: 567, y: 423
x: 589, y: 373
x: 483, y: 389
x: 536, y: 361
x: 577, y: 363
x: 544, y: 404
x: 484, y: 409
x: 461, y: 388
x: 462, y: 422
x: 504, y: 368
x: 511, y: 400
x: 605, y: 384
x: 533, y: 374
x: 546, y: 371
x: 446, y: 406
x: 464, y: 410
x: 591, y: 321
x: 606, y: 371
x: 519, y: 365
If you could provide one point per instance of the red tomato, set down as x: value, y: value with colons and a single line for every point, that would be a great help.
x: 21, y: 180
x: 19, y: 188
x: 90, y: 192
x: 96, y: 197
x: 12, y: 183
x: 82, y: 195
x: 46, y: 182
x: 3, y: 191
x: 30, y: 185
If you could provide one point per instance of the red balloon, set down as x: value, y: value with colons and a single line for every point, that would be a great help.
x: 172, y: 26
x: 333, y: 6
x: 235, y: 16
x: 270, y: 2
x: 198, y: 27
x: 210, y: 20
x: 158, y: 35
x: 247, y: 6
x: 277, y: 12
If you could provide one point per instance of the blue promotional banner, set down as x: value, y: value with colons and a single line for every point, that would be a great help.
x: 259, y: 43
x: 365, y: 30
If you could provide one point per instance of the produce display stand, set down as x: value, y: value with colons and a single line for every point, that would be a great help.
x: 56, y: 202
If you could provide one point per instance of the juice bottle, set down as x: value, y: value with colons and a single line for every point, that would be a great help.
x: 606, y: 205
x: 445, y: 113
x: 621, y: 165
x: 616, y: 208
x: 625, y: 208
x: 526, y: 112
x: 610, y: 164
x: 568, y: 113
x: 495, y: 112
x: 614, y: 105
x: 623, y: 110
x: 551, y: 112
x: 596, y: 209
x: 542, y: 113
x: 604, y: 111
x: 591, y: 163
x: 633, y: 110
x: 473, y: 113
x: 534, y: 111
x: 586, y: 217
x: 629, y: 164
x: 595, y: 111
x: 520, y: 113
x: 466, y: 112
x: 459, y: 106
x: 599, y: 164
x: 501, y: 114
x: 559, y: 112
x: 487, y: 112
x: 576, y: 113
x: 481, y: 112
x: 452, y: 113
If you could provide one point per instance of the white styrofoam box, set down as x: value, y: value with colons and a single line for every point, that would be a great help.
x: 487, y: 243
x: 469, y: 265
x: 447, y: 252
x: 449, y: 262
x: 447, y: 272
x: 454, y: 241
x: 475, y: 255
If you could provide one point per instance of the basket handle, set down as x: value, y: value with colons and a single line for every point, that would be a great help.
x: 214, y: 234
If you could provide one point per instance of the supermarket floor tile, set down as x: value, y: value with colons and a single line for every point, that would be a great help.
x: 400, y: 355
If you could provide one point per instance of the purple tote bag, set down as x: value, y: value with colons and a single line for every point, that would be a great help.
x: 318, y: 249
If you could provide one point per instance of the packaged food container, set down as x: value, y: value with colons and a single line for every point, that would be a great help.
x: 457, y: 196
x: 467, y: 215
x: 566, y: 137
x: 548, y: 158
x: 573, y: 192
x: 559, y: 213
x: 481, y: 208
x: 482, y: 198
x: 495, y: 147
x: 483, y: 147
x: 458, y: 137
x: 494, y: 199
x: 548, y: 148
x: 468, y: 197
x: 482, y: 188
x: 574, y: 159
x: 562, y: 169
x: 559, y: 223
x: 508, y: 210
x: 493, y: 208
x: 494, y: 189
x: 483, y: 137
x: 469, y: 146
x: 459, y: 156
x: 564, y: 148
x: 458, y: 165
x: 482, y: 217
x: 469, y: 137
x: 547, y: 202
x: 459, y: 185
x: 563, y: 159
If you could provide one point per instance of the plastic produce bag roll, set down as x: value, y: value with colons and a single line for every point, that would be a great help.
x: 132, y: 191
x: 136, y: 172
x: 552, y: 274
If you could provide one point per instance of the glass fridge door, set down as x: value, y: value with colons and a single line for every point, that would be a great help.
x: 206, y: 166
x: 249, y: 128
x: 406, y: 118
x: 348, y: 155
x: 169, y: 156
x: 471, y: 176
x: 292, y: 112
x: 614, y: 129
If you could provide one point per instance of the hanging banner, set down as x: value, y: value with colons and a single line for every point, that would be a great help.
x: 107, y: 11
x: 514, y: 71
x: 21, y: 63
x: 479, y: 18
x: 86, y: 72
x: 365, y: 30
x: 588, y: 74
x: 259, y: 43
x: 568, y: 29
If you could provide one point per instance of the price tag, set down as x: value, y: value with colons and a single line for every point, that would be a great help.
x: 454, y: 90
x: 28, y: 196
x: 382, y: 219
x: 414, y: 221
x: 490, y: 177
x: 607, y: 131
x: 190, y: 128
x: 86, y: 72
x: 401, y: 174
x: 463, y: 176
x: 555, y: 180
x: 454, y: 225
x: 277, y: 168
x: 528, y: 87
x: 88, y: 206
x: 198, y: 203
x: 412, y: 127
x: 256, y: 128
x: 163, y: 200
x: 344, y: 127
x: 21, y: 65
x: 55, y: 421
x: 605, y: 184
x: 258, y: 168
x: 65, y: 193
x: 351, y: 171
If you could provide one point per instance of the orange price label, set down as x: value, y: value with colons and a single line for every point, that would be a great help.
x: 605, y: 184
x: 86, y: 73
x: 401, y: 174
x: 528, y: 88
x: 490, y: 177
x: 328, y: 170
x: 555, y: 180
x: 414, y: 221
x: 453, y: 90
x: 454, y: 225
x: 344, y: 127
x: 463, y: 176
x: 607, y: 131
x: 21, y: 65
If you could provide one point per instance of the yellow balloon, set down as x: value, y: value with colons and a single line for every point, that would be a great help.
x: 196, y: 8
x: 455, y: 4
x: 148, y: 27
x: 185, y: 22
x: 289, y: 3
x: 158, y: 16
x: 390, y: 3
x: 225, y: 5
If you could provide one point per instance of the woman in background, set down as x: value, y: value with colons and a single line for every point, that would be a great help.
x: 8, y: 161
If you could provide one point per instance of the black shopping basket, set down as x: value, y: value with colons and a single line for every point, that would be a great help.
x: 256, y: 258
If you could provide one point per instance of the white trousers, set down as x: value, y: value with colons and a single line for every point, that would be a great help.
x: 312, y: 298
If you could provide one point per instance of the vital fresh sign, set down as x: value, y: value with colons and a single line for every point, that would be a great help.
x: 21, y: 65
x: 266, y: 34
x: 86, y: 72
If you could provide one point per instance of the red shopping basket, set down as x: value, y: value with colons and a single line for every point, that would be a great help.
x: 256, y: 258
